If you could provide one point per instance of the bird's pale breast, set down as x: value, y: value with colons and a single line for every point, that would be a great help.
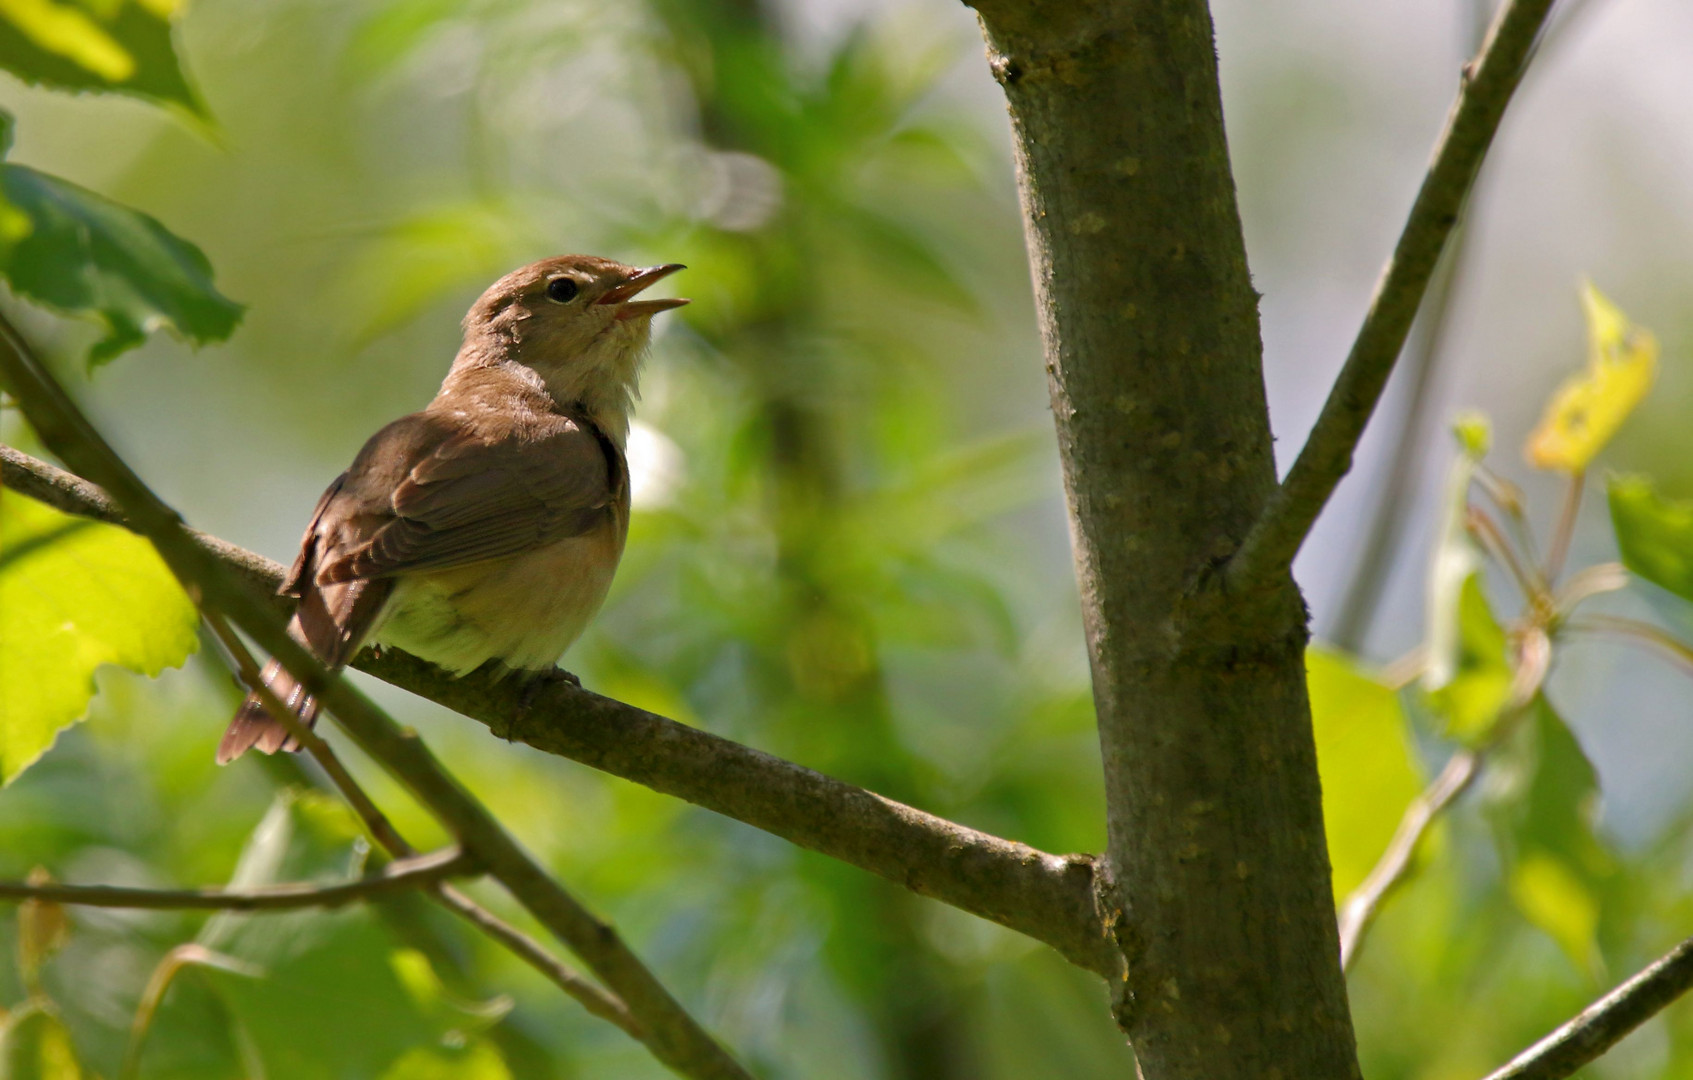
x: 523, y: 610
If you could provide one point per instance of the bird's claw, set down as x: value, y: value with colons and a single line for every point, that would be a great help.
x: 538, y: 683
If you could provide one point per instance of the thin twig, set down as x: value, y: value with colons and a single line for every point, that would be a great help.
x: 590, y: 997
x: 1508, y: 497
x: 1634, y: 630
x: 1565, y: 530
x: 1482, y: 526
x: 1048, y: 897
x: 1360, y: 910
x: 1486, y: 88
x: 673, y: 1036
x: 411, y: 873
x: 1603, y: 1024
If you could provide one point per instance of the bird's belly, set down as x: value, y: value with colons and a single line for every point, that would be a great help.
x: 524, y: 610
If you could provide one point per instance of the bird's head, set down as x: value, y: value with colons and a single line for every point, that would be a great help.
x: 574, y: 321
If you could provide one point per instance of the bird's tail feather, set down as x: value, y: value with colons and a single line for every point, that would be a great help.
x: 255, y: 728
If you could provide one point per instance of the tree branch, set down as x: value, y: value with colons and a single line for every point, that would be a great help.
x: 1048, y: 897
x: 674, y: 1037
x: 1603, y: 1024
x: 1486, y: 88
x: 418, y: 871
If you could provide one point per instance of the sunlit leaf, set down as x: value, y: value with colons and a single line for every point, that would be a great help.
x: 36, y: 1045
x: 477, y: 1060
x: 75, y: 594
x: 1588, y: 408
x: 1368, y: 772
x: 114, y: 45
x: 1654, y: 534
x: 1542, y: 795
x: 86, y: 255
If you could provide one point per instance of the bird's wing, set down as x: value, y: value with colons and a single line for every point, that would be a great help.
x: 470, y: 497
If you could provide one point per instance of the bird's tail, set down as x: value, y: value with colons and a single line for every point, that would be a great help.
x: 255, y: 728
x: 332, y: 621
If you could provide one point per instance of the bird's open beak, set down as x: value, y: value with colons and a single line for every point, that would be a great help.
x: 624, y: 293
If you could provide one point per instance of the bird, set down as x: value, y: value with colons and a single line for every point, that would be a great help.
x: 486, y: 527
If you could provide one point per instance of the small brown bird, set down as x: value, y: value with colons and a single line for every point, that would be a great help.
x: 487, y: 526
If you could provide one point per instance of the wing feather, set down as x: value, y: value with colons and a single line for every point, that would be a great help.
x: 474, y: 498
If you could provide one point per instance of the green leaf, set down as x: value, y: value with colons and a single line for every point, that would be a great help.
x: 75, y: 594
x: 330, y: 973
x: 86, y: 255
x: 122, y: 46
x: 1367, y: 769
x: 35, y: 1045
x: 1472, y: 698
x: 1543, y: 798
x: 1654, y: 534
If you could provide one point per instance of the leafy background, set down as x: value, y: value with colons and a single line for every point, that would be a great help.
x: 850, y: 547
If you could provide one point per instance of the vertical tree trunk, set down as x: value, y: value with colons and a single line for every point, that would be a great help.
x: 1153, y: 357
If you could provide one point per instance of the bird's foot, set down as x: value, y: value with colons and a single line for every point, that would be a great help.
x: 537, y: 683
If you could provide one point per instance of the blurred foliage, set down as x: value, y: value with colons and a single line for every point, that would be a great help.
x: 115, y: 45
x: 848, y: 550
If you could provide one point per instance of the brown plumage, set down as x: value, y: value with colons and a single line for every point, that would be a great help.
x: 487, y: 526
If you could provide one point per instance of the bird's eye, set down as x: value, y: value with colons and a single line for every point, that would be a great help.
x: 561, y: 290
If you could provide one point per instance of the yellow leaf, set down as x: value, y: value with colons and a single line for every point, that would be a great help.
x: 1588, y: 408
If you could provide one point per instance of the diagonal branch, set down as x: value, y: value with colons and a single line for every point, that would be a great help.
x: 1487, y: 86
x: 1048, y: 897
x: 1603, y: 1024
x: 420, y: 871
x: 673, y: 1036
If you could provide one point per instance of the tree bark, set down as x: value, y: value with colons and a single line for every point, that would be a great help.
x: 1222, y: 891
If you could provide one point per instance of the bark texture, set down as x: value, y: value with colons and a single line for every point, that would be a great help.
x: 1222, y: 890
